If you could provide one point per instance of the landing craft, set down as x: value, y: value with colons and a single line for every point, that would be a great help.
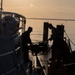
x: 12, y: 25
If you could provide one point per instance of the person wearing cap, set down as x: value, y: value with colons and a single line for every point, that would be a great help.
x: 25, y: 41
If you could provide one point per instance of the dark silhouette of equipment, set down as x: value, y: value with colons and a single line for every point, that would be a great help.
x: 62, y: 60
x: 38, y: 47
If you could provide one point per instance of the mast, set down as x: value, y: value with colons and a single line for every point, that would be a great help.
x: 1, y: 8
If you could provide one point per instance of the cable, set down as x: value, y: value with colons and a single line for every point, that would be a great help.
x: 69, y: 38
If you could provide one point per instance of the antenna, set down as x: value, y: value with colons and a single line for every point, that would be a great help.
x: 1, y: 8
x: 1, y: 5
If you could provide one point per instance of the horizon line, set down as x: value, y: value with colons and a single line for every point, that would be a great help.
x: 51, y: 19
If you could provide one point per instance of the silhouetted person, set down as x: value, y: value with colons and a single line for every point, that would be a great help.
x: 25, y: 41
x: 55, y: 32
x: 55, y: 37
x: 60, y: 49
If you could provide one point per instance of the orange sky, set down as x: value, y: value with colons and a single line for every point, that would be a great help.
x: 42, y: 8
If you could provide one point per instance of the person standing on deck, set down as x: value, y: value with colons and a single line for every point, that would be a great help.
x: 60, y: 49
x: 55, y: 36
x: 25, y: 41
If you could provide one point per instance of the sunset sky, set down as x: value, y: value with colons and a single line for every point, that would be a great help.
x: 42, y: 8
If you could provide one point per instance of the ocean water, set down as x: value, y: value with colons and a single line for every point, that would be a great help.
x: 37, y: 34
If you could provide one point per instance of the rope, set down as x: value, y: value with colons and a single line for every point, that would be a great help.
x: 69, y: 38
x: 19, y: 62
x: 1, y: 55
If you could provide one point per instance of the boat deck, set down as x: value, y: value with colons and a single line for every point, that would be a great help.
x: 40, y: 61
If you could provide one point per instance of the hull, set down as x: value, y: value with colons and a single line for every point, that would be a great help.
x: 11, y: 60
